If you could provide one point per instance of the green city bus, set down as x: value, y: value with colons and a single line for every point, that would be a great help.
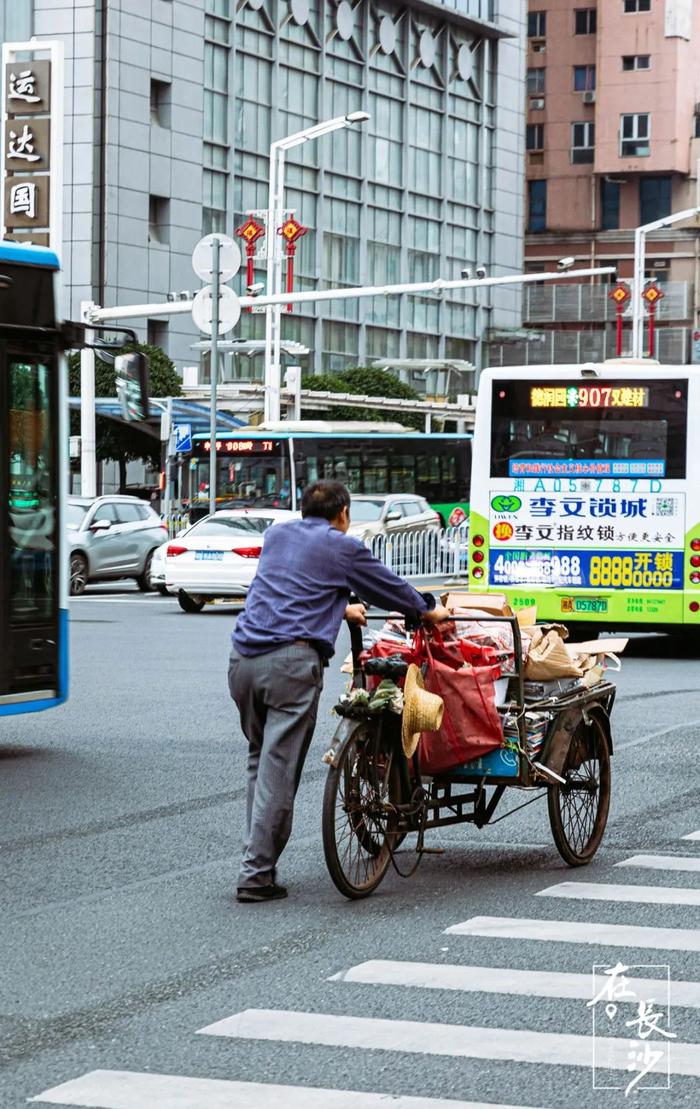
x: 258, y: 466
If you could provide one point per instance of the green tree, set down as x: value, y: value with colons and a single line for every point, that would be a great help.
x: 117, y: 441
x: 365, y: 381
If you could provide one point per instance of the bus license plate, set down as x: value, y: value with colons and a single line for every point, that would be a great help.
x: 589, y: 604
x: 208, y: 556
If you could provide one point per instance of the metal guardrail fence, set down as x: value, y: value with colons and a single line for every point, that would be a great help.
x: 175, y: 522
x: 422, y: 551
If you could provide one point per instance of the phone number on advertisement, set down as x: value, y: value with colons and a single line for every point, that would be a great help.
x: 620, y: 571
x: 538, y: 565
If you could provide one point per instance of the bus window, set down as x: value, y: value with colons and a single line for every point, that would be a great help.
x: 32, y: 495
x: 376, y: 473
x: 403, y: 477
x: 449, y: 477
x: 614, y: 420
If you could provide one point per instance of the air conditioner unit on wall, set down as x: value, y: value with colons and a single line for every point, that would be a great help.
x: 537, y: 103
x: 589, y: 96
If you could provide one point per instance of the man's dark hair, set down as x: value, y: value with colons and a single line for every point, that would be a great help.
x: 326, y: 499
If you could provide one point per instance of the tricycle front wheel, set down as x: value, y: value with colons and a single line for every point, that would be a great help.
x: 359, y: 822
x: 578, y: 811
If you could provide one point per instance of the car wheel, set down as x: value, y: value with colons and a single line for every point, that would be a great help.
x: 78, y: 574
x: 189, y: 604
x: 162, y: 590
x: 144, y: 580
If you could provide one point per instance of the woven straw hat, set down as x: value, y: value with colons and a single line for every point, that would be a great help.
x: 422, y: 711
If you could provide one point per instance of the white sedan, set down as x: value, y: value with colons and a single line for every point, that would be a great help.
x: 218, y: 556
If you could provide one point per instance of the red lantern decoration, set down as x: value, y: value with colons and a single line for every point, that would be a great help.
x: 291, y: 231
x: 250, y: 232
x: 620, y: 294
x: 652, y: 295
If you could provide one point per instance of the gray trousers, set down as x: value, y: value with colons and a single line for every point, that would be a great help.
x: 277, y: 697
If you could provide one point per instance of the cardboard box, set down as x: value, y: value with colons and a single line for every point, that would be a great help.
x: 598, y: 647
x: 492, y: 604
x: 495, y: 604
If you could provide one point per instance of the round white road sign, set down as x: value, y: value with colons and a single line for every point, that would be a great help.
x: 229, y: 309
x: 229, y: 257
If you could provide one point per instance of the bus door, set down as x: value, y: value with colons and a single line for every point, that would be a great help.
x: 29, y: 541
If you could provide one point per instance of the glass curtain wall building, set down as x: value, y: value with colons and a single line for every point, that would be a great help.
x: 407, y: 196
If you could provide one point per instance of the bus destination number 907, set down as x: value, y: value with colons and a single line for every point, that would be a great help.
x: 620, y: 571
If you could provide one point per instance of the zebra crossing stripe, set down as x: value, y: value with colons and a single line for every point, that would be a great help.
x: 579, y: 931
x: 692, y: 835
x: 663, y: 862
x: 503, y: 980
x: 608, y: 891
x: 512, y: 1045
x: 113, y: 1089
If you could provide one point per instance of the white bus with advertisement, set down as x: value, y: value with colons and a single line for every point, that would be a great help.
x: 586, y: 493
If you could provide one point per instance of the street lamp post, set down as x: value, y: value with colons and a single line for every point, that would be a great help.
x: 640, y: 235
x: 275, y: 213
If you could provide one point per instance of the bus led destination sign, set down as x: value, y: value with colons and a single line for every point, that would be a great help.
x: 589, y: 396
x: 242, y: 446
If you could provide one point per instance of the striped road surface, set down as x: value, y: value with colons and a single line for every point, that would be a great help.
x: 115, y: 1089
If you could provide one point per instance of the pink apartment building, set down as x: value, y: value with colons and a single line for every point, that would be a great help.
x: 613, y: 141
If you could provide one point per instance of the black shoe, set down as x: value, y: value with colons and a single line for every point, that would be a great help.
x: 273, y: 892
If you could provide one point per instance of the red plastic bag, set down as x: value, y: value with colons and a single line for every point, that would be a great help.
x: 471, y: 726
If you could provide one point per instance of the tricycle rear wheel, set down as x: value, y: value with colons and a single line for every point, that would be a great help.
x: 359, y: 821
x: 578, y: 811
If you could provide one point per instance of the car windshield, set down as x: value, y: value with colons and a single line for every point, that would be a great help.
x: 363, y: 511
x: 75, y: 514
x: 228, y: 525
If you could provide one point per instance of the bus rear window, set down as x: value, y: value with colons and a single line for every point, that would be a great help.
x: 615, y: 428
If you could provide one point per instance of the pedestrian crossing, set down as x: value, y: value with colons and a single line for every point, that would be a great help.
x: 353, y: 1032
x: 102, y: 1089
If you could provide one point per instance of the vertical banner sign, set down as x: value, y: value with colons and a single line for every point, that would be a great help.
x: 32, y: 142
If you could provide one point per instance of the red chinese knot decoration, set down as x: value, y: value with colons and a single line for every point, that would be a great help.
x: 291, y: 231
x: 250, y: 232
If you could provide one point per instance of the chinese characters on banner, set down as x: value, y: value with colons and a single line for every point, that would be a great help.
x: 27, y: 150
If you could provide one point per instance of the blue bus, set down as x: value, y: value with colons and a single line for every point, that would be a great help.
x: 33, y: 469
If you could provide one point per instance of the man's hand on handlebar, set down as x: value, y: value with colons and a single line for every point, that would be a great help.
x: 356, y: 614
x: 436, y: 615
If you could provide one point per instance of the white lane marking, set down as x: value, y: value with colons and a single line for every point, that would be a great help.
x: 506, y: 980
x: 578, y: 931
x: 608, y: 891
x: 663, y: 862
x: 423, y: 1038
x: 692, y: 835
x: 104, y: 1089
x: 133, y: 599
x: 619, y: 747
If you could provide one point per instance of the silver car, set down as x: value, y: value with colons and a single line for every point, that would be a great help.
x: 389, y: 514
x: 109, y: 538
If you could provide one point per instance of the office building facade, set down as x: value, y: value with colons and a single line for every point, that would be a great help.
x: 171, y: 109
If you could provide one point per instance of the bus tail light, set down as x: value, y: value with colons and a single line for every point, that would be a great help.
x: 695, y: 544
x: 173, y: 550
x: 695, y: 579
x: 478, y: 571
x: 478, y: 540
x: 247, y: 552
x: 694, y: 606
x: 478, y: 556
x: 695, y: 560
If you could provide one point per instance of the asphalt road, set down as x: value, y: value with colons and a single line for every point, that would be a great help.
x: 120, y: 827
